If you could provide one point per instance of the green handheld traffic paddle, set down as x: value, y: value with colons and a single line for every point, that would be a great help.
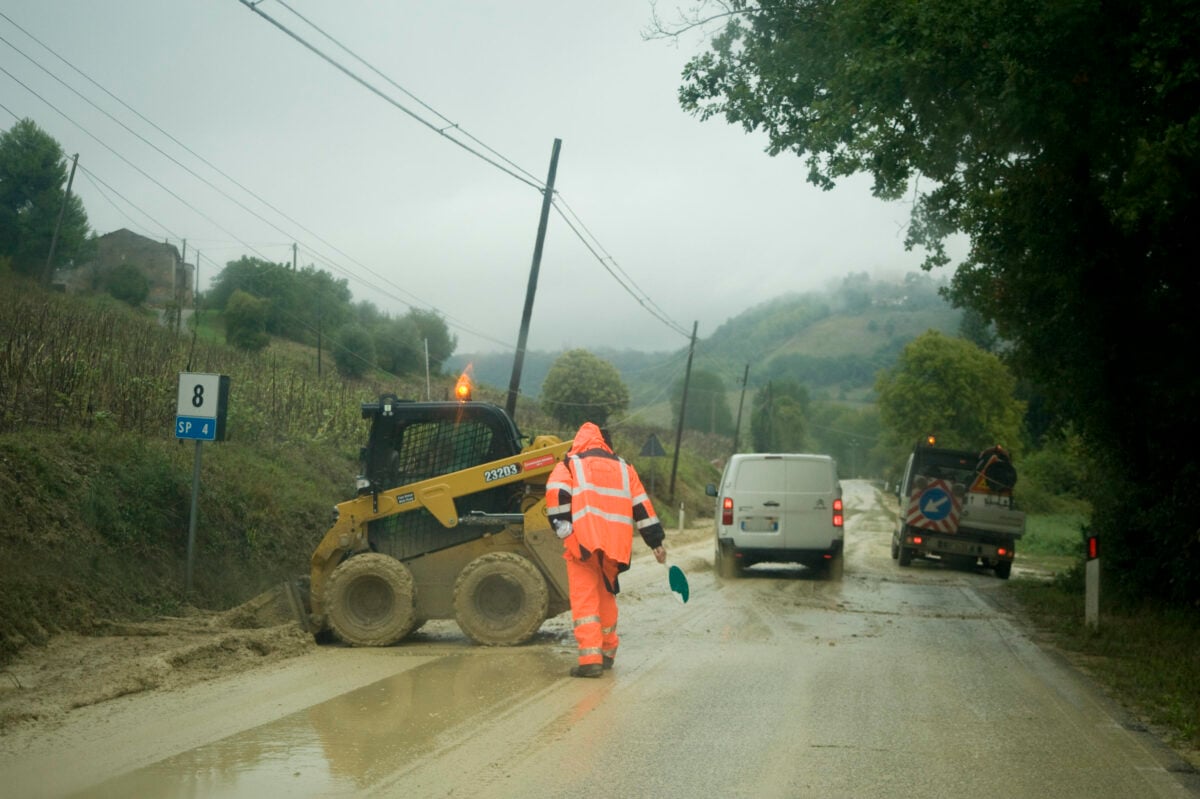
x: 678, y: 581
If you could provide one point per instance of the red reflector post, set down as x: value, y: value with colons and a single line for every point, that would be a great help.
x: 1093, y: 547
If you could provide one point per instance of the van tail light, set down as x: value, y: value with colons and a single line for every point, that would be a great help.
x: 838, y: 518
x: 727, y: 510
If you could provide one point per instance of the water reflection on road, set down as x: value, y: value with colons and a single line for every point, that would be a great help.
x: 343, y: 746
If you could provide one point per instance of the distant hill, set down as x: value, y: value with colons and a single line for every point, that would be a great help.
x: 833, y: 343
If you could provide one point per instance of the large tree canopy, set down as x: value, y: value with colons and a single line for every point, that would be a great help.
x: 950, y: 388
x: 582, y: 387
x: 1064, y: 140
x: 33, y: 182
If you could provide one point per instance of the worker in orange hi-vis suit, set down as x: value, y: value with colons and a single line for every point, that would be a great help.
x: 594, y: 500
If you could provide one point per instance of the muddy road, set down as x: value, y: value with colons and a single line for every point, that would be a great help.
x: 890, y: 682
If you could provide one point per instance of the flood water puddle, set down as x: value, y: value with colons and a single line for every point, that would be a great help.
x: 344, y: 746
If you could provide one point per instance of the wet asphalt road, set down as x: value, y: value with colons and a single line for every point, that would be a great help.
x: 889, y: 682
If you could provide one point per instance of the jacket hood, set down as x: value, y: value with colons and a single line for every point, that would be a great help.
x: 588, y: 437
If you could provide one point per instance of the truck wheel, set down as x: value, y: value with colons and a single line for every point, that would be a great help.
x: 500, y: 599
x: 370, y: 600
x: 904, y: 556
x: 1004, y: 569
x: 895, y: 548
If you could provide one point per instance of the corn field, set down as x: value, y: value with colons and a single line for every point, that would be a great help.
x: 71, y: 363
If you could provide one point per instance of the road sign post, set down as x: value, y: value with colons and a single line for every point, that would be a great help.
x: 652, y: 449
x: 199, y: 416
x: 1091, y: 583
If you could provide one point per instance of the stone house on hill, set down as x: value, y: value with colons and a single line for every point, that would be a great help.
x: 158, y: 261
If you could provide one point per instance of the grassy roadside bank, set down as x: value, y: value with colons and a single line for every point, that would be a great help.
x: 1146, y: 657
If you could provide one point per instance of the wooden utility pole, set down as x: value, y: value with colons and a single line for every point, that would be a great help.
x: 62, y: 209
x: 737, y: 427
x: 514, y: 384
x: 687, y: 376
x: 293, y: 256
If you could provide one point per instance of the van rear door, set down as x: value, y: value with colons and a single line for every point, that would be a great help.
x: 808, y: 509
x: 759, y: 495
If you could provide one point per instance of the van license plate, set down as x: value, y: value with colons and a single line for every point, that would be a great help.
x: 760, y: 524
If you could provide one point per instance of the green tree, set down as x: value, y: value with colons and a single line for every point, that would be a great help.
x: 779, y: 417
x: 127, y: 283
x: 707, y: 405
x: 318, y: 303
x: 33, y: 182
x: 398, y: 347
x: 246, y: 321
x: 1063, y: 140
x: 950, y: 388
x: 581, y: 387
x: 433, y: 331
x: 977, y: 330
x: 354, y: 351
x: 302, y: 302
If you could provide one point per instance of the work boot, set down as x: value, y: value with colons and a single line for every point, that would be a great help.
x: 587, y: 670
x: 607, y: 663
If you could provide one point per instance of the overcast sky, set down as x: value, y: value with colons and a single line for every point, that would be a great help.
x: 696, y: 219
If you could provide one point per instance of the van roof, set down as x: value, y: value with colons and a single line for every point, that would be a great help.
x: 741, y: 456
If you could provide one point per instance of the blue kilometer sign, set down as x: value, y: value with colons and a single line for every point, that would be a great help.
x: 196, y: 427
x: 200, y: 412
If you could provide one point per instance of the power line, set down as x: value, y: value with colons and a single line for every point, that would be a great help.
x: 590, y: 242
x: 449, y: 123
x: 253, y: 6
x: 416, y: 300
x: 97, y: 182
x: 608, y: 257
x: 643, y: 300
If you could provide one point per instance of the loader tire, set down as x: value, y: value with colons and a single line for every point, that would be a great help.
x: 500, y: 599
x: 370, y: 600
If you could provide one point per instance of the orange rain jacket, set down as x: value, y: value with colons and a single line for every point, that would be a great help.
x: 603, y: 499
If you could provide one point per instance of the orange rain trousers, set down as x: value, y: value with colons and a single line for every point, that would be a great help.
x: 593, y: 609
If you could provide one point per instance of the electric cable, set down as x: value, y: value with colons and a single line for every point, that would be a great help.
x: 253, y: 6
x: 210, y: 165
x: 652, y: 308
x: 449, y: 122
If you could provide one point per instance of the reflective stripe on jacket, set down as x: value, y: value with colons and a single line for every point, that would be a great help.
x: 604, y: 500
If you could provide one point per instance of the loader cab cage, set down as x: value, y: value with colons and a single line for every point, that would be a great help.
x: 414, y: 441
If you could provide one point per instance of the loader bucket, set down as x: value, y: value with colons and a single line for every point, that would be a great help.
x: 297, y: 594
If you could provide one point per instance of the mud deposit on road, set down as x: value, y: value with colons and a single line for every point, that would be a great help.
x: 41, y: 687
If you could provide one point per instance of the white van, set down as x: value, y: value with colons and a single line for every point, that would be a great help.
x: 778, y: 508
